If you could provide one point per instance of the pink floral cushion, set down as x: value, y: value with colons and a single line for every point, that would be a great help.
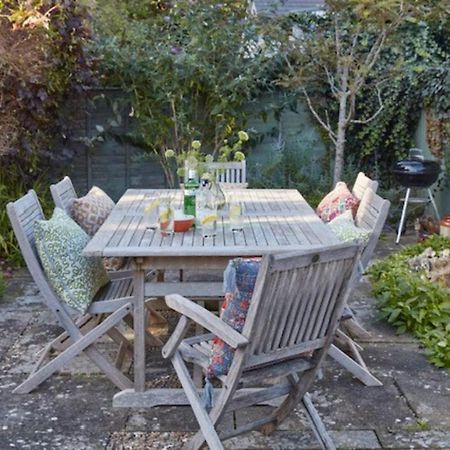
x: 335, y: 203
x: 240, y: 278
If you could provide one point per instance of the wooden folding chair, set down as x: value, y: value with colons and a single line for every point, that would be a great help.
x: 371, y: 216
x: 294, y: 312
x: 63, y: 194
x: 112, y: 304
x: 363, y: 182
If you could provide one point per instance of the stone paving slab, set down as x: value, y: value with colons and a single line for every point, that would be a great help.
x: 290, y: 440
x: 388, y: 358
x: 419, y: 392
x: 415, y: 440
x: 166, y: 419
x: 65, y: 408
x: 348, y: 405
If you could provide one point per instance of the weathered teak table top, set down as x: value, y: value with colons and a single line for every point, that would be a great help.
x: 275, y: 220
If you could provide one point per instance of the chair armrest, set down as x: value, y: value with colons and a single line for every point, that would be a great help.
x: 206, y: 319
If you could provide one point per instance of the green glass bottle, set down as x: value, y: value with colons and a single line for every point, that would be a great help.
x: 190, y: 191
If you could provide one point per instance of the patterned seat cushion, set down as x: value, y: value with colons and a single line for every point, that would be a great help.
x: 74, y: 277
x: 92, y: 210
x: 336, y: 202
x: 345, y: 229
x: 240, y: 278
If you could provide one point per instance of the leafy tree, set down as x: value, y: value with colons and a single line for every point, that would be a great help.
x: 188, y: 67
x: 338, y: 52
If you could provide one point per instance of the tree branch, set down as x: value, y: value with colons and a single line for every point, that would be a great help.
x: 337, y: 37
x: 351, y: 109
x: 370, y: 61
x: 355, y: 41
x: 373, y: 116
x: 326, y: 126
x: 331, y: 82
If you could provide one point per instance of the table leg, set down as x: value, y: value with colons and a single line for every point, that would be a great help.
x: 139, y: 328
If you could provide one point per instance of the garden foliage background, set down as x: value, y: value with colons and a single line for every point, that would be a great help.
x: 200, y: 70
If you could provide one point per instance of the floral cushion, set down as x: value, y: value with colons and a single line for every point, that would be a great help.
x: 240, y: 278
x: 75, y: 278
x: 92, y: 210
x: 345, y: 229
x: 339, y: 200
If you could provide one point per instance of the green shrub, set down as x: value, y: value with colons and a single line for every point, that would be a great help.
x: 412, y: 303
x: 11, y: 188
x: 189, y: 69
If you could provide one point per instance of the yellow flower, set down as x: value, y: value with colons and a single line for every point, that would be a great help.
x: 239, y: 156
x: 169, y: 153
x: 196, y: 145
x: 243, y: 136
x: 209, y: 158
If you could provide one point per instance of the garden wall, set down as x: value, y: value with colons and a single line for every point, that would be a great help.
x: 114, y: 164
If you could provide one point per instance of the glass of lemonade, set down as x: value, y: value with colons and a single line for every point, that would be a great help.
x: 150, y: 214
x: 166, y: 215
x: 207, y: 220
x: 236, y: 214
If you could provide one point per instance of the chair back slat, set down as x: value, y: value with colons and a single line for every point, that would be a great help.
x: 297, y: 301
x: 230, y: 174
x: 63, y: 194
x: 372, y: 214
x: 362, y: 183
x: 23, y: 214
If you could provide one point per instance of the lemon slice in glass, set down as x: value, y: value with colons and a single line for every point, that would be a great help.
x: 209, y: 219
x: 151, y: 206
x: 235, y: 211
x: 165, y: 215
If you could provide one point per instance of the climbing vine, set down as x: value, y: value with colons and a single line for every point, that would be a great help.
x: 421, y: 78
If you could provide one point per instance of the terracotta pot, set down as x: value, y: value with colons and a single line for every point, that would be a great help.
x: 445, y: 226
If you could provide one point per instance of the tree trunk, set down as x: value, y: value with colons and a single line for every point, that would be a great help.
x: 342, y: 128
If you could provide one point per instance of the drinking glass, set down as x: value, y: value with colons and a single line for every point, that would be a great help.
x: 207, y: 219
x: 166, y: 215
x: 150, y: 214
x: 236, y: 214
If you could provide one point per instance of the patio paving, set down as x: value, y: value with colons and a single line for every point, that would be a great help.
x: 73, y: 410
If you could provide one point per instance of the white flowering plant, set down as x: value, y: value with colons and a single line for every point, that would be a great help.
x: 194, y: 157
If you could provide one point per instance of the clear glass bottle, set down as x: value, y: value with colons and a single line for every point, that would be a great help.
x: 190, y: 193
x: 206, y: 209
x: 218, y: 194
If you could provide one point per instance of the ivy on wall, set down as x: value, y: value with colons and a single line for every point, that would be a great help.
x: 421, y: 78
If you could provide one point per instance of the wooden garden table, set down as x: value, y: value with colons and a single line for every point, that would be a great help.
x: 275, y: 220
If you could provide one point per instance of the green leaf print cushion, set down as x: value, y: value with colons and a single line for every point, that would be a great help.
x: 74, y: 277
